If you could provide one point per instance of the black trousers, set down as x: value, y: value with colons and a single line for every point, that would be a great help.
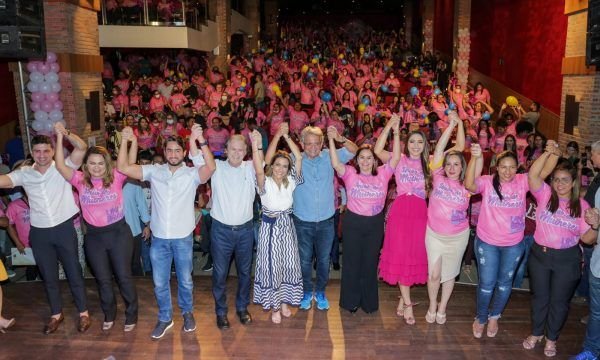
x: 363, y: 236
x: 553, y: 275
x: 136, y: 260
x: 50, y: 245
x: 109, y: 250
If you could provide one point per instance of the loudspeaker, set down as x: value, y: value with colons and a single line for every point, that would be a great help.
x: 592, y: 50
x: 22, y: 42
x: 21, y: 12
x: 22, y: 29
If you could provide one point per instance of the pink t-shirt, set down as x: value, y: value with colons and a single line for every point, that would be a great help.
x: 448, y: 204
x: 559, y: 230
x: 18, y: 215
x: 366, y: 193
x: 216, y: 139
x: 502, y: 223
x: 409, y: 177
x: 298, y: 120
x: 100, y: 206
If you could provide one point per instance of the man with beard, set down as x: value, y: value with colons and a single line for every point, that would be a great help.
x: 173, y: 187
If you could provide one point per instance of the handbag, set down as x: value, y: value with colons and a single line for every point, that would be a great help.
x: 19, y: 259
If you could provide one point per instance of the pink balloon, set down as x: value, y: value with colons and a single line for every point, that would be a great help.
x: 50, y: 57
x: 52, y: 97
x: 38, y: 97
x: 35, y: 106
x: 57, y: 105
x: 32, y: 66
x: 44, y: 68
x: 46, y: 106
x: 54, y: 67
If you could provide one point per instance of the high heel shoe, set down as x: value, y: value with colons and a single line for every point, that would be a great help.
x: 6, y: 324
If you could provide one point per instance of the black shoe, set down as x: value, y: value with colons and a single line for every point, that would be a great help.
x: 208, y: 266
x: 222, y: 322
x: 336, y: 266
x: 245, y: 317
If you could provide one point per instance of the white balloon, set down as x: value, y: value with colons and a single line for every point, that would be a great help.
x: 36, y: 77
x: 55, y: 115
x: 41, y: 115
x: 37, y: 125
x: 33, y: 86
x: 51, y: 77
x: 55, y: 87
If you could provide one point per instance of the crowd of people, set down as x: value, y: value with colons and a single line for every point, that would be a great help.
x: 355, y: 111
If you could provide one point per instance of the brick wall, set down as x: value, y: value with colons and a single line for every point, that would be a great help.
x: 585, y: 87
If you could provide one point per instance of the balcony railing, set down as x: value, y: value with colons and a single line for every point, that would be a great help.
x: 190, y: 13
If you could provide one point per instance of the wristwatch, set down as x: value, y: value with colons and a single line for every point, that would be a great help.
x: 203, y: 143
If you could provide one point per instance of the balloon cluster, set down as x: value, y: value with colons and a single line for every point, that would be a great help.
x: 44, y: 87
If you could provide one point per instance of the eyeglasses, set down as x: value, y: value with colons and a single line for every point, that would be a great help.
x: 563, y: 181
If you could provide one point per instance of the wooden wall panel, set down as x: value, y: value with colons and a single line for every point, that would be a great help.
x: 572, y: 6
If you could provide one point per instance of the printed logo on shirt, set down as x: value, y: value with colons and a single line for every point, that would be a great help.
x: 517, y: 224
x: 367, y: 191
x: 408, y: 174
x: 97, y: 196
x: 113, y: 214
x: 509, y: 201
x: 445, y: 192
x: 458, y: 217
x: 560, y: 219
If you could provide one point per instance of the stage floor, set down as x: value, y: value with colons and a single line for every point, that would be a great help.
x: 313, y: 334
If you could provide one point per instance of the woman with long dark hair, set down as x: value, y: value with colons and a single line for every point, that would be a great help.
x: 562, y: 218
x: 500, y: 230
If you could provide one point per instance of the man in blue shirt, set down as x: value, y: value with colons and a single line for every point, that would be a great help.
x: 314, y: 210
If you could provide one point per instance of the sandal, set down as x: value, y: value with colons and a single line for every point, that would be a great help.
x: 410, y: 320
x: 550, y: 348
x: 7, y: 324
x: 440, y: 318
x: 530, y: 342
x: 400, y: 308
x: 430, y: 317
x: 492, y: 330
x: 478, y: 329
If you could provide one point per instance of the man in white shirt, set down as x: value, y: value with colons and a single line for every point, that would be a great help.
x: 52, y: 235
x: 173, y: 187
x: 232, y: 234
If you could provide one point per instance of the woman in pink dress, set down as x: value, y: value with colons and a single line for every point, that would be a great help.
x: 403, y: 259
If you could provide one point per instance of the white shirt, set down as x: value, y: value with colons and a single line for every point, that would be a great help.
x: 233, y: 191
x: 173, y: 196
x: 275, y: 198
x: 50, y: 196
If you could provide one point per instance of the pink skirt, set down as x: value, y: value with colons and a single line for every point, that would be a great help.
x: 403, y: 256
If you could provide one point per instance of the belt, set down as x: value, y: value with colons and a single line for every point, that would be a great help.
x: 236, y: 227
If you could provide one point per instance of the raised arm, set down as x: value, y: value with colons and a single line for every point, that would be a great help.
x: 282, y: 131
x: 208, y: 168
x: 396, y: 150
x: 379, y: 148
x: 257, y: 159
x: 59, y: 156
x: 440, y: 147
x: 539, y: 169
x: 132, y: 170
x: 474, y: 168
x: 335, y: 161
x: 79, y: 146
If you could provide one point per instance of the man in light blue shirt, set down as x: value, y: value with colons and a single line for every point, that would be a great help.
x: 136, y: 213
x: 314, y: 210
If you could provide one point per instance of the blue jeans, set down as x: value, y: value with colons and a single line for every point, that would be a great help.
x: 496, y: 267
x: 228, y: 241
x: 583, y: 288
x: 314, y: 240
x: 520, y: 273
x: 162, y: 254
x: 592, y: 335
